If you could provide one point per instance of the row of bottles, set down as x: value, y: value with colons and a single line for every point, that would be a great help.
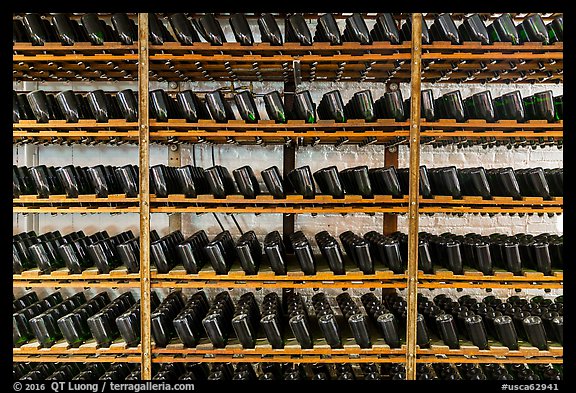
x: 191, y: 181
x: 511, y: 322
x: 285, y: 371
x: 102, y: 106
x: 369, y: 253
x: 59, y: 28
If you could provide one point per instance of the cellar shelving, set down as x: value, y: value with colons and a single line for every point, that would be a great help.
x: 280, y: 359
x: 86, y: 199
x: 88, y: 348
x: 355, y: 131
x: 318, y: 206
x: 443, y: 278
x: 43, y: 358
x: 117, y: 278
x: 74, y: 209
x: 524, y: 350
x: 379, y: 62
x: 78, y: 283
x: 488, y: 358
x: 91, y: 201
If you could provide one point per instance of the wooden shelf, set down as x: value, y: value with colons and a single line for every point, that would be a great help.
x: 496, y: 349
x: 41, y: 358
x: 487, y: 359
x: 266, y: 350
x: 88, y: 348
x: 380, y: 61
x: 354, y: 131
x: 267, y: 199
x: 117, y: 203
x: 92, y: 199
x: 78, y: 49
x: 74, y: 209
x: 439, y: 354
x: 443, y: 278
x: 117, y: 278
x: 41, y: 283
x: 279, y: 358
x: 292, y: 204
x: 469, y: 353
x: 295, y: 278
x: 296, y: 209
x: 495, y: 201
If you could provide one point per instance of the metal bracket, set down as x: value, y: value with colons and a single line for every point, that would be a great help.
x: 297, y: 70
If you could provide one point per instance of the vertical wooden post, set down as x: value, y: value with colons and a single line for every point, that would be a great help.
x: 414, y: 192
x: 144, y: 169
x: 390, y: 220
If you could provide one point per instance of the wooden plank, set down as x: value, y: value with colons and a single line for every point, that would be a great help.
x: 491, y: 284
x: 296, y: 284
x: 279, y: 358
x: 265, y: 350
x: 492, y: 209
x: 414, y: 191
x: 76, y: 358
x: 75, y: 284
x: 486, y: 359
x: 279, y: 209
x: 266, y: 199
x: 144, y: 178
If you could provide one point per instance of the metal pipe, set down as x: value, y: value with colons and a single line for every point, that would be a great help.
x: 31, y: 153
x: 175, y: 219
x: 413, y: 197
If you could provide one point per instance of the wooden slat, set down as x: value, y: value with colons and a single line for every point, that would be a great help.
x: 279, y: 209
x: 279, y: 359
x: 413, y: 215
x: 292, y: 126
x: 487, y: 359
x: 490, y: 284
x: 495, y: 201
x: 325, y: 59
x: 266, y: 199
x: 74, y: 209
x: 474, y: 275
x: 91, y: 199
x: 296, y: 284
x: 76, y: 358
x: 74, y: 284
x: 62, y: 348
x: 144, y: 196
x: 493, y: 209
x: 285, y: 351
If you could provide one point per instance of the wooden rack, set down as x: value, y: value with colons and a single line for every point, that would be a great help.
x: 379, y: 62
x: 383, y: 131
